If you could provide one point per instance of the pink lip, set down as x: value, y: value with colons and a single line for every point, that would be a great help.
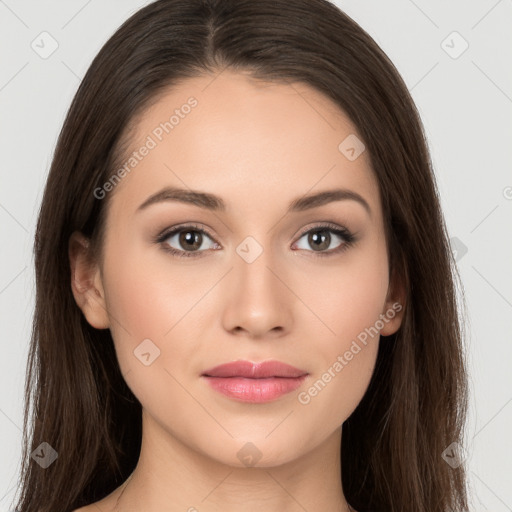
x: 252, y: 382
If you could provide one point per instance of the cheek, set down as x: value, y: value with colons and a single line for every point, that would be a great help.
x: 345, y: 296
x: 343, y: 362
x: 151, y: 297
x: 333, y: 393
x: 151, y: 306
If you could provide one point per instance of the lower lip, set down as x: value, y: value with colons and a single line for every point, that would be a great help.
x: 254, y: 390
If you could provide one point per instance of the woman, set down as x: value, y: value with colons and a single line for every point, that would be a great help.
x: 245, y: 290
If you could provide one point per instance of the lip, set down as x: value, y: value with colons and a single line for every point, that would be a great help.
x: 254, y: 382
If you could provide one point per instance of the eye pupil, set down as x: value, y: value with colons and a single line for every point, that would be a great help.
x: 190, y: 240
x: 318, y: 241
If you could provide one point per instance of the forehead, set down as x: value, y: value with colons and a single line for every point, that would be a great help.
x: 251, y: 142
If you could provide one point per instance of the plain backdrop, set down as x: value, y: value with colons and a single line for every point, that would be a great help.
x: 455, y: 57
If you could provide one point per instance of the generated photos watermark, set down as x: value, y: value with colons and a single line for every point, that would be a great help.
x: 152, y: 140
x: 304, y: 397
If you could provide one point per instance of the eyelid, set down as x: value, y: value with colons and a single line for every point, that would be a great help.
x: 327, y: 225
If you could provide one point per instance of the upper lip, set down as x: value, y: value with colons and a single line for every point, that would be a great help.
x: 252, y: 370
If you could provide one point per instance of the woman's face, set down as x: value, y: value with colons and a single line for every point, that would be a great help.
x: 263, y: 280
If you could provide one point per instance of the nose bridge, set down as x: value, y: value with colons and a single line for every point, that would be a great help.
x: 257, y: 299
x: 253, y: 262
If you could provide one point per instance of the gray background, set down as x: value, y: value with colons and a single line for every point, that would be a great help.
x: 465, y: 100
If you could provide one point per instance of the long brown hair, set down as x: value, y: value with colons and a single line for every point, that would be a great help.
x: 415, y: 405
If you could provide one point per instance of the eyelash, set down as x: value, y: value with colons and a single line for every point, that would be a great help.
x: 348, y: 239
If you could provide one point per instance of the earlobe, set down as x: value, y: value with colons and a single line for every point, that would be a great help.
x: 394, y: 308
x: 86, y: 283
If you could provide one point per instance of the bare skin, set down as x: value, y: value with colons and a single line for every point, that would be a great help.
x: 258, y: 146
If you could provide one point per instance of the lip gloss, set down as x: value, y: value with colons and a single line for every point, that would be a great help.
x: 254, y: 390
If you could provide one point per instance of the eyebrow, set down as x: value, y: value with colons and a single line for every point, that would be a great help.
x: 215, y: 203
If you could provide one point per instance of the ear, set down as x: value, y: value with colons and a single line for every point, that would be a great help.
x: 86, y: 283
x: 394, y: 307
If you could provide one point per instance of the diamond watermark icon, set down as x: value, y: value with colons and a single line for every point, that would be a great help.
x: 44, y: 45
x: 249, y: 249
x: 146, y: 352
x: 44, y: 455
x: 454, y: 455
x: 351, y: 147
x: 454, y: 45
x: 249, y: 454
x: 459, y: 249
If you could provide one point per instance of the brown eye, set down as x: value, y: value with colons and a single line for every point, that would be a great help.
x: 320, y: 238
x: 190, y: 241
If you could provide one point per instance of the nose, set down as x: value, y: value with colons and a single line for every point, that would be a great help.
x: 257, y: 302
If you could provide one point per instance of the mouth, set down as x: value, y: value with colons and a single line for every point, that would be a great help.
x: 252, y: 382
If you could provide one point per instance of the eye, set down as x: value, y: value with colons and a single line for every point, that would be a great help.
x: 320, y: 239
x: 190, y: 239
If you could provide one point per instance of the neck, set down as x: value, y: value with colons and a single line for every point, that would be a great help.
x: 171, y: 476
